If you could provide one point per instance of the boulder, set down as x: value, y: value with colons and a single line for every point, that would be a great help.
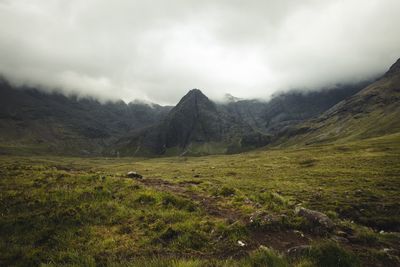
x: 315, y: 217
x: 134, y: 175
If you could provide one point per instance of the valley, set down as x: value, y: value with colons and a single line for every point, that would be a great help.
x: 288, y: 182
x: 199, y: 133
x: 220, y: 210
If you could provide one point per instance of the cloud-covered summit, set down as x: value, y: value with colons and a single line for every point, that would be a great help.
x: 157, y: 50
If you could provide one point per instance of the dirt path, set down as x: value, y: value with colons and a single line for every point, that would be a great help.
x: 207, y: 203
x: 278, y: 240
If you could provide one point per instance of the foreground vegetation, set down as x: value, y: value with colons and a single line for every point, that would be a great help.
x: 236, y: 210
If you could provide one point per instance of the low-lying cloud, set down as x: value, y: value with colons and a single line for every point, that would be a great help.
x: 156, y: 50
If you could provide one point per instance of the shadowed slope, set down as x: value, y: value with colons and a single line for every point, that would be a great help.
x: 374, y: 111
x: 35, y: 122
x: 195, y: 126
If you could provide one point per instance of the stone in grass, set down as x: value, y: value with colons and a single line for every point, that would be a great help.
x: 316, y: 218
x: 241, y: 243
x: 134, y: 175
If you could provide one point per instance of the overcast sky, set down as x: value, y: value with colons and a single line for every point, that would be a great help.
x: 158, y: 49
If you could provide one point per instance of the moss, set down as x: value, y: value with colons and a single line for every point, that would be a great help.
x: 178, y: 202
x: 366, y: 236
x: 329, y: 254
x: 266, y: 257
x: 146, y: 199
x: 226, y: 191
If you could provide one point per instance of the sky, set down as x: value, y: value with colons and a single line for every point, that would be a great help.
x: 156, y: 50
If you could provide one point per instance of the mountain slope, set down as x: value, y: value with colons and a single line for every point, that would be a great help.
x: 37, y: 122
x: 291, y: 108
x: 374, y: 111
x: 195, y: 126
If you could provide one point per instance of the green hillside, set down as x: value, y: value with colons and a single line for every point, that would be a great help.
x: 374, y: 111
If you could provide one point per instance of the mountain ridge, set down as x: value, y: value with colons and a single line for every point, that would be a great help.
x: 32, y: 121
x: 372, y: 112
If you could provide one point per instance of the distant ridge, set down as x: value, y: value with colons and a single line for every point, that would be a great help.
x: 34, y: 122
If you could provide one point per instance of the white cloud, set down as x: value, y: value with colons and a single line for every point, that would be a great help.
x: 157, y: 50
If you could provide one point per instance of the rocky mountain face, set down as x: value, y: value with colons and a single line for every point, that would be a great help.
x: 195, y: 126
x: 373, y: 111
x: 198, y: 126
x: 35, y: 122
x: 290, y: 108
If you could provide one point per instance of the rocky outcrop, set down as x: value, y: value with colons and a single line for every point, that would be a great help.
x: 316, y: 218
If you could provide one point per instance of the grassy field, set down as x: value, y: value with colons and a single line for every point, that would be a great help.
x: 236, y: 210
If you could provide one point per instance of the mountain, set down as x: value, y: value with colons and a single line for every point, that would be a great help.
x: 198, y: 126
x: 374, y: 111
x: 290, y: 108
x: 195, y: 126
x: 32, y: 121
x: 35, y: 122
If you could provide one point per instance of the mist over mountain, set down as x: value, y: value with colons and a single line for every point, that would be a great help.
x: 196, y: 126
x: 250, y: 50
x: 200, y: 133
x: 374, y: 111
x: 54, y: 123
x: 291, y: 107
x: 31, y: 120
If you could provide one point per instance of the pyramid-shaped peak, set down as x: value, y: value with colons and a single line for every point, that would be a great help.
x: 195, y: 92
x: 192, y: 104
x: 194, y: 95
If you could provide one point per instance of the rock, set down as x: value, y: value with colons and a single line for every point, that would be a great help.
x: 241, y: 243
x: 392, y: 255
x: 298, y: 233
x: 263, y: 218
x: 134, y: 175
x: 298, y: 251
x: 316, y: 217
